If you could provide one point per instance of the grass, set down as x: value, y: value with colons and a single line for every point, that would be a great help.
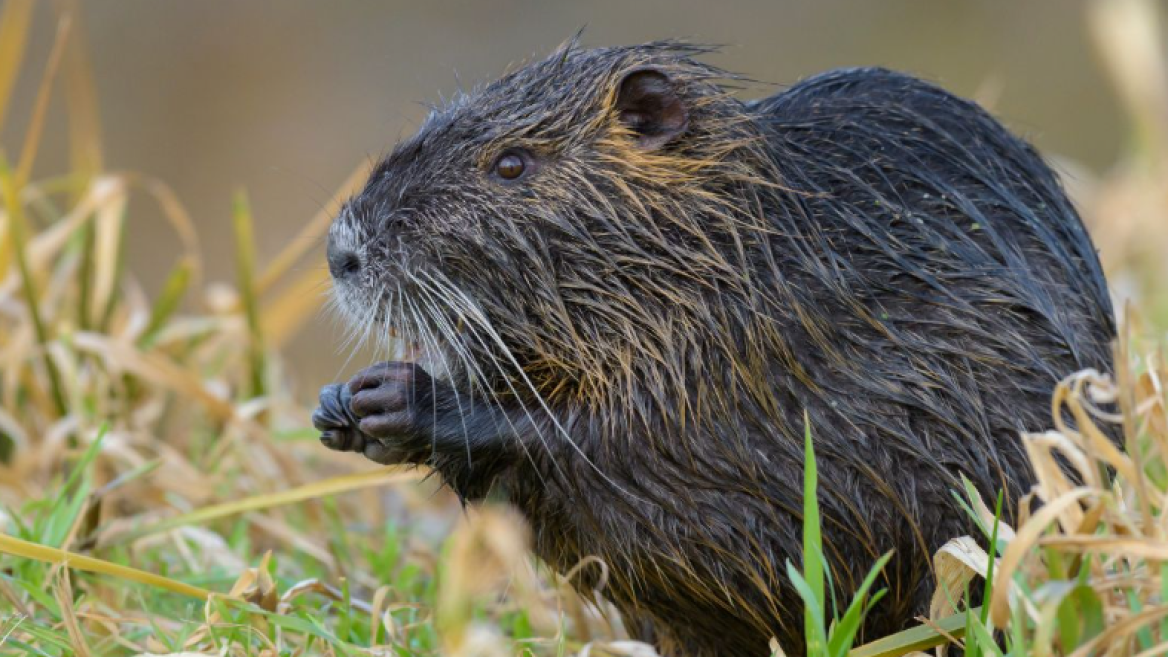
x: 160, y: 491
x: 826, y: 636
x: 159, y: 488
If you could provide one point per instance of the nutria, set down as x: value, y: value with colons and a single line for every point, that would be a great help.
x: 628, y: 286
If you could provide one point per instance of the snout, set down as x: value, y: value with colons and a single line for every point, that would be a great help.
x: 344, y: 262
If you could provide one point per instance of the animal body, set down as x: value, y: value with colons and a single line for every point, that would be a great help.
x: 630, y: 286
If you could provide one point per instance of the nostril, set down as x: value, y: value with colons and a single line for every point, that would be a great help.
x: 344, y: 264
x: 350, y: 265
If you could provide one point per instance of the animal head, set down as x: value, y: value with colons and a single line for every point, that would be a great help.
x: 556, y: 230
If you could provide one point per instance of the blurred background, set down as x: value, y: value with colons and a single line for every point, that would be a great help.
x: 286, y: 98
x: 157, y: 362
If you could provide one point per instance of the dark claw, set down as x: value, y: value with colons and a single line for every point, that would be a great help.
x: 343, y: 440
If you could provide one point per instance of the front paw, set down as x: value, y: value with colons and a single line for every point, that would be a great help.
x: 392, y: 405
x: 336, y: 422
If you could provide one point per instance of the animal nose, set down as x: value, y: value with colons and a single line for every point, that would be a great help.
x: 343, y: 263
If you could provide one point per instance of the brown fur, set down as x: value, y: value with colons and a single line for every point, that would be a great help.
x: 624, y: 342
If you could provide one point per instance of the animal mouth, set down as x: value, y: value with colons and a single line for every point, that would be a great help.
x: 398, y: 325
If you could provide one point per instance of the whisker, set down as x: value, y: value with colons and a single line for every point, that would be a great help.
x: 490, y: 397
x: 475, y: 314
x: 428, y: 344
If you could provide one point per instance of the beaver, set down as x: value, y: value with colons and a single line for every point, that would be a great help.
x: 627, y: 286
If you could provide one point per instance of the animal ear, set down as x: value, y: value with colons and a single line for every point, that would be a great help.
x: 647, y: 105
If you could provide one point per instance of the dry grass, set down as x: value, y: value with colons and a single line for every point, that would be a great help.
x: 1086, y: 566
x: 151, y: 447
x: 1084, y: 572
x: 160, y: 491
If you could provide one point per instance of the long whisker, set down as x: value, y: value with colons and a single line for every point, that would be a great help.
x: 430, y: 346
x: 472, y: 313
x: 358, y: 332
x: 477, y: 378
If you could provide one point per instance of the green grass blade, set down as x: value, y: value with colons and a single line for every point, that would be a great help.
x: 84, y: 462
x: 1164, y: 596
x: 18, y: 228
x: 915, y: 639
x: 844, y: 633
x: 985, y: 638
x: 45, y: 637
x: 168, y: 301
x: 85, y: 141
x: 245, y: 266
x: 816, y: 636
x: 812, y: 537
x: 993, y: 555
x: 85, y: 276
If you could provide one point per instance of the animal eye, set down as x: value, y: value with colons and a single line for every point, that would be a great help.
x: 510, y: 166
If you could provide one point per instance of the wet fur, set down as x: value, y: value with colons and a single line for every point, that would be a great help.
x: 631, y: 337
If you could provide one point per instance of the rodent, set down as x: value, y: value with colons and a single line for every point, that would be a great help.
x: 630, y: 285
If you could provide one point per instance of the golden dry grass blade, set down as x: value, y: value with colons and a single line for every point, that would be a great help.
x: 486, y: 556
x: 5, y: 254
x: 285, y: 315
x: 1121, y: 631
x: 255, y: 585
x: 36, y: 125
x: 1051, y: 477
x: 1025, y: 540
x: 1131, y: 386
x: 178, y: 217
x: 957, y: 564
x: 42, y: 248
x: 7, y: 593
x: 63, y: 591
x: 379, y: 618
x: 315, y: 490
x: 108, y: 226
x: 156, y: 369
x: 311, y: 233
x: 85, y: 151
x: 1072, y: 398
x: 28, y: 550
x: 49, y: 243
x: 14, y: 21
x: 1141, y: 548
